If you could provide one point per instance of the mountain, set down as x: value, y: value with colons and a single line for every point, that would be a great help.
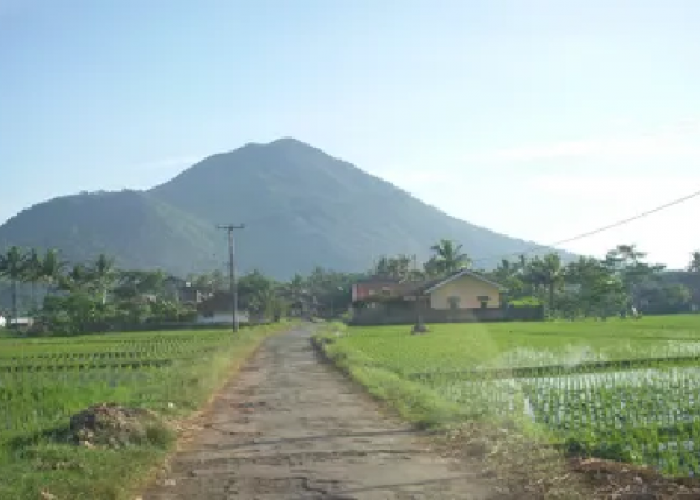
x: 136, y: 228
x: 301, y: 208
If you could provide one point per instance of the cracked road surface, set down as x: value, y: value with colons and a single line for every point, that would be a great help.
x: 290, y: 427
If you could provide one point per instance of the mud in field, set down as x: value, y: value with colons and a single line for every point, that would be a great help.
x: 290, y: 427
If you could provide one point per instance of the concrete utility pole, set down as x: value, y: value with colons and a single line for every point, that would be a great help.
x: 232, y: 271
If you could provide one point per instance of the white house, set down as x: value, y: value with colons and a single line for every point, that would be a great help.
x: 221, y: 317
x: 217, y: 310
x: 4, y: 322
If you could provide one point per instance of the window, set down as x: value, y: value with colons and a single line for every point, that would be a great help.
x: 483, y: 300
x: 386, y: 291
x: 453, y: 302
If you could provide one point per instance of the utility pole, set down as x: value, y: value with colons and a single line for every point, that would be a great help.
x: 232, y: 271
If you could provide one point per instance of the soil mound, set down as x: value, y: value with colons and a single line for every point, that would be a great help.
x: 116, y: 426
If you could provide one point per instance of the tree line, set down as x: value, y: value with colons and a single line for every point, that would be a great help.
x: 586, y: 286
x: 80, y: 297
x: 93, y: 296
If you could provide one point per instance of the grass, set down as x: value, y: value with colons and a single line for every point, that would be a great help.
x: 48, y: 380
x: 622, y: 389
x: 454, y: 347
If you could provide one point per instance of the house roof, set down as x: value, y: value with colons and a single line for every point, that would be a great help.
x: 220, y: 301
x: 408, y: 288
x: 377, y: 280
x: 432, y: 286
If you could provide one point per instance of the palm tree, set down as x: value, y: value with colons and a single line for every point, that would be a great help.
x: 75, y: 279
x: 448, y: 256
x: 12, y: 267
x: 547, y: 273
x: 552, y: 274
x: 52, y: 268
x: 694, y: 266
x: 33, y: 271
x: 103, y: 273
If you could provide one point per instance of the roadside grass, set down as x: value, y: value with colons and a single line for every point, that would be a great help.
x: 37, y: 401
x: 522, y: 458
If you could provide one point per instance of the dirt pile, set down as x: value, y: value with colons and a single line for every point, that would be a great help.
x: 614, y: 480
x: 115, y: 426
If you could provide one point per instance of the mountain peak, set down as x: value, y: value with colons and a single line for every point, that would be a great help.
x: 286, y: 141
x: 302, y: 208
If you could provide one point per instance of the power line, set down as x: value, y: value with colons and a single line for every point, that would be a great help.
x: 587, y: 234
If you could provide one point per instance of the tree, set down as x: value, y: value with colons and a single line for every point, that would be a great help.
x: 694, y: 265
x: 129, y: 285
x: 625, y: 263
x: 397, y: 267
x: 103, y: 274
x: 449, y: 257
x: 545, y: 274
x: 52, y: 268
x: 431, y: 268
x: 12, y: 267
x: 552, y: 275
x: 255, y: 292
x: 77, y: 279
x: 591, y: 283
x: 33, y: 272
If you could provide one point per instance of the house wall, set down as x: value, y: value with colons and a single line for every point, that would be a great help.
x: 468, y: 289
x: 362, y: 291
x: 221, y: 318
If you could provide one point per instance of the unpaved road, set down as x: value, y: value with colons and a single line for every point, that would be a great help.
x: 290, y: 427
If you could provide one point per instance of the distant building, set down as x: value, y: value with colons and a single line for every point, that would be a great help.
x: 186, y: 292
x: 217, y: 310
x: 369, y: 287
x: 463, y: 289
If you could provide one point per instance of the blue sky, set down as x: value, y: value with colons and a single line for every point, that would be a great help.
x: 539, y: 119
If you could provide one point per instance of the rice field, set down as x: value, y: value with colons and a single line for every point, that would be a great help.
x: 43, y: 382
x: 622, y: 389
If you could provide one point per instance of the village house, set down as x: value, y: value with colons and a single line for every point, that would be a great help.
x: 217, y: 310
x: 463, y: 289
x: 458, y: 297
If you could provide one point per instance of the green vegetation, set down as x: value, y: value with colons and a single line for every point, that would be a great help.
x: 622, y: 389
x: 43, y: 382
x: 619, y: 283
x: 321, y: 210
x: 97, y: 296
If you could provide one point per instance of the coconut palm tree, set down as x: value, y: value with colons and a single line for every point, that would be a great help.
x: 552, y: 274
x: 694, y: 266
x: 12, y: 267
x: 33, y: 271
x: 104, y: 275
x: 52, y: 268
x: 449, y: 257
x: 75, y: 279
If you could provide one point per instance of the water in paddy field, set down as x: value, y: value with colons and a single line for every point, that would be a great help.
x: 651, y: 413
x: 573, y: 355
x: 663, y: 387
x: 523, y: 356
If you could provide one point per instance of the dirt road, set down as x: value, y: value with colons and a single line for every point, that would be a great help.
x: 290, y: 427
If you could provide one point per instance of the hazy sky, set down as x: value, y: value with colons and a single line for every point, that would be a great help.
x: 539, y: 119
